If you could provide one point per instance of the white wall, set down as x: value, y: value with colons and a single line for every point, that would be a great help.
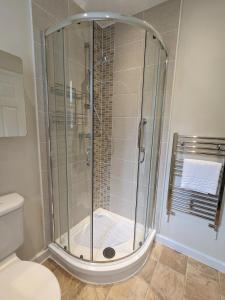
x: 198, y: 107
x: 19, y: 169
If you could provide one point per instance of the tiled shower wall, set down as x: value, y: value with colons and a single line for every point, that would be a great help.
x: 128, y: 76
x: 103, y: 92
x: 70, y: 125
x: 97, y: 117
x: 79, y: 168
x: 107, y: 93
x: 126, y: 104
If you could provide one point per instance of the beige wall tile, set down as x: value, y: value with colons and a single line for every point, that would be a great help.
x: 41, y: 21
x: 128, y: 81
x: 73, y: 8
x: 170, y: 39
x: 77, y: 75
x: 124, y: 58
x: 150, y: 79
x: 125, y: 128
x: 75, y: 44
x: 122, y: 206
x: 124, y: 169
x: 164, y: 17
x: 152, y: 50
x: 126, y: 105
x: 124, y: 149
x: 123, y: 188
x: 57, y: 8
x: 168, y: 88
x: 125, y: 33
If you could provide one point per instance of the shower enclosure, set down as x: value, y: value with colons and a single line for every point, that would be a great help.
x: 106, y: 76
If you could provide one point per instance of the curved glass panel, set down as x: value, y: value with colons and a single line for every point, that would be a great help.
x: 105, y: 106
x: 58, y: 136
x: 146, y: 128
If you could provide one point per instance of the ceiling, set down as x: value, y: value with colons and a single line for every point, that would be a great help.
x: 126, y: 7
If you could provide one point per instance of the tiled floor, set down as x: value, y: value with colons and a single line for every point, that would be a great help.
x: 167, y: 275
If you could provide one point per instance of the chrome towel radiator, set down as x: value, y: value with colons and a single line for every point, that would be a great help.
x: 201, y: 205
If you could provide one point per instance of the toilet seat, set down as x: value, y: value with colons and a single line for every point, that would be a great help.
x: 24, y: 280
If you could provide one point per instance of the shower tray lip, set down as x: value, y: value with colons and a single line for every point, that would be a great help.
x: 103, y: 273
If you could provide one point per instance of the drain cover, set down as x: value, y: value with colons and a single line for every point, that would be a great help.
x: 109, y: 252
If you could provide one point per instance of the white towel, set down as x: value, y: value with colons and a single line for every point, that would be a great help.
x: 201, y: 176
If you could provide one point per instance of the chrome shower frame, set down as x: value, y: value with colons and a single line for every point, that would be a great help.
x: 57, y: 250
x: 109, y: 16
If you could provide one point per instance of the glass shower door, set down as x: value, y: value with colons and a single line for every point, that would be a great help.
x: 79, y: 112
x: 148, y: 141
x: 69, y: 60
x: 58, y: 128
x: 155, y: 156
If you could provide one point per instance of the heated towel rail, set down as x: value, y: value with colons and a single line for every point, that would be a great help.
x: 201, y: 205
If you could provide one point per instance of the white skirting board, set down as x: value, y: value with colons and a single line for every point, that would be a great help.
x: 195, y: 254
x: 41, y: 256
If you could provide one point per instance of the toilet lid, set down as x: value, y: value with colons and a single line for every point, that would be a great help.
x: 24, y: 280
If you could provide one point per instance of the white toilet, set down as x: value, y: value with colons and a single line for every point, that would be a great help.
x: 20, y: 280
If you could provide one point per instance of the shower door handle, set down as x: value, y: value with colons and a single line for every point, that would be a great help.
x: 141, y: 139
x: 142, y: 151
